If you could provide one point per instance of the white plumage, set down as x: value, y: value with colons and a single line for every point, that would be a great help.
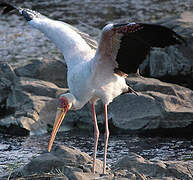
x: 98, y: 73
x: 90, y: 76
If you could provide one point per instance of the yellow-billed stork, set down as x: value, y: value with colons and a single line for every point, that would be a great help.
x: 98, y: 72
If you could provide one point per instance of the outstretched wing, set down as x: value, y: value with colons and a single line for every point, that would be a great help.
x: 129, y: 44
x: 75, y: 45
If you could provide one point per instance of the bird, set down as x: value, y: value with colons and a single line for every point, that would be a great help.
x: 97, y: 70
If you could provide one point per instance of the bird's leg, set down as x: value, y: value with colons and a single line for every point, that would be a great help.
x: 96, y: 137
x: 106, y: 138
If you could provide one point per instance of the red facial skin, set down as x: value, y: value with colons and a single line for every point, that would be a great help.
x: 63, y: 103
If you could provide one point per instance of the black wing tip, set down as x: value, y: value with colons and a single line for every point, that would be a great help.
x: 7, y: 7
x: 10, y: 7
x: 175, y: 39
x: 171, y: 37
x: 179, y: 39
x: 27, y: 15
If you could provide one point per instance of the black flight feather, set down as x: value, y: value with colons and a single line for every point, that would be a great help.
x: 7, y: 7
x: 137, y: 41
x: 27, y: 13
x: 158, y: 35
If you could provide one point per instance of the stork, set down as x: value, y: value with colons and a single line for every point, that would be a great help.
x: 98, y: 72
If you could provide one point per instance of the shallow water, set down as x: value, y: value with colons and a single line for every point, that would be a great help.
x: 20, y: 43
x: 17, y: 151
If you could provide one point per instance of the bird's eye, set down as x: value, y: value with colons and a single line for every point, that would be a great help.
x: 62, y: 103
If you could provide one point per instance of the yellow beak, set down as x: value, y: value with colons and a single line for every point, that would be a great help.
x: 60, y: 114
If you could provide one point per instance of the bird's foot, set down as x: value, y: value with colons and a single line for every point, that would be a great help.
x: 93, y: 170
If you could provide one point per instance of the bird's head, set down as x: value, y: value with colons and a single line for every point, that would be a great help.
x: 64, y: 104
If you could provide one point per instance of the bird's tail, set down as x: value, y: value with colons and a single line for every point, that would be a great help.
x: 131, y: 90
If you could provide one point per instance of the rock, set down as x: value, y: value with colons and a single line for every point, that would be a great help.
x: 31, y: 104
x: 48, y: 70
x: 7, y: 72
x: 173, y: 64
x: 144, y: 169
x: 61, y: 162
x: 169, y: 106
x: 7, y: 79
x: 7, y: 82
x: 69, y: 163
